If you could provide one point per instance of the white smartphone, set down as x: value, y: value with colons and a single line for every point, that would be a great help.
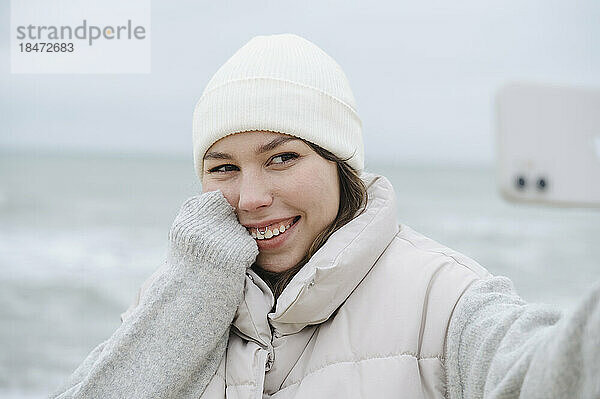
x: 548, y: 144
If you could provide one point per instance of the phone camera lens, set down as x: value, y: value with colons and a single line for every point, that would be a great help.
x: 541, y: 183
x: 520, y: 182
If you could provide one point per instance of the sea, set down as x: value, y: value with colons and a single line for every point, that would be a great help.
x: 79, y: 233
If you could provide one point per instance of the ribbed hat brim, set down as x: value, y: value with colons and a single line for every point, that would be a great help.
x: 281, y: 106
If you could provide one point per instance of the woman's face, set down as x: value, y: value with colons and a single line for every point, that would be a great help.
x: 274, y: 180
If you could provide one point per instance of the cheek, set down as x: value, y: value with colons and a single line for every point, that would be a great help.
x: 316, y: 191
x: 228, y: 192
x: 209, y: 186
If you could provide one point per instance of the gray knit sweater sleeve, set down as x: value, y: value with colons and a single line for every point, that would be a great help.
x: 501, y: 347
x: 171, y: 344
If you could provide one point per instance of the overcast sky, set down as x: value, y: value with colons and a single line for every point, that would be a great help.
x: 424, y: 73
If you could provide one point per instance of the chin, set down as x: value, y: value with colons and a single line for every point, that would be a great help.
x: 275, y: 269
x: 275, y: 266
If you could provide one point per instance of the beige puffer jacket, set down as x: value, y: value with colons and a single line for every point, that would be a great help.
x: 366, y: 317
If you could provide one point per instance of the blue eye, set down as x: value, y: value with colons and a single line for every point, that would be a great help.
x: 288, y: 156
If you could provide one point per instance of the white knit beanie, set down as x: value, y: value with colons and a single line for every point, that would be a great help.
x: 280, y: 83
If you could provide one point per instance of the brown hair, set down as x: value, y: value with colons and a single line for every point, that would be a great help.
x: 353, y: 201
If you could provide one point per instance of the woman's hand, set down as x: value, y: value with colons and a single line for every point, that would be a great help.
x: 207, y: 227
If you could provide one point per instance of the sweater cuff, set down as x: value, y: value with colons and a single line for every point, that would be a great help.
x: 207, y: 227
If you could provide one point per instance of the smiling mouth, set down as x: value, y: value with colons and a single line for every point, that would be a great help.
x: 273, y: 230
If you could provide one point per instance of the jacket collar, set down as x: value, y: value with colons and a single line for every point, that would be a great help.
x: 329, y: 277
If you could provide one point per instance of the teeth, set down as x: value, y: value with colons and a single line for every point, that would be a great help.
x: 269, y: 233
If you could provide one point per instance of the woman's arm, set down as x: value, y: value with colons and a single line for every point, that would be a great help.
x: 501, y: 347
x: 173, y: 341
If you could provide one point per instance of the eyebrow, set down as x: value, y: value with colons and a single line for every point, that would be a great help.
x: 259, y: 150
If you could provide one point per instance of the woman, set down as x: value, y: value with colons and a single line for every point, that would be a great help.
x: 289, y: 276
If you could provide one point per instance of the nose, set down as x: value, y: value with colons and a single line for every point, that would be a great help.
x: 254, y: 193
